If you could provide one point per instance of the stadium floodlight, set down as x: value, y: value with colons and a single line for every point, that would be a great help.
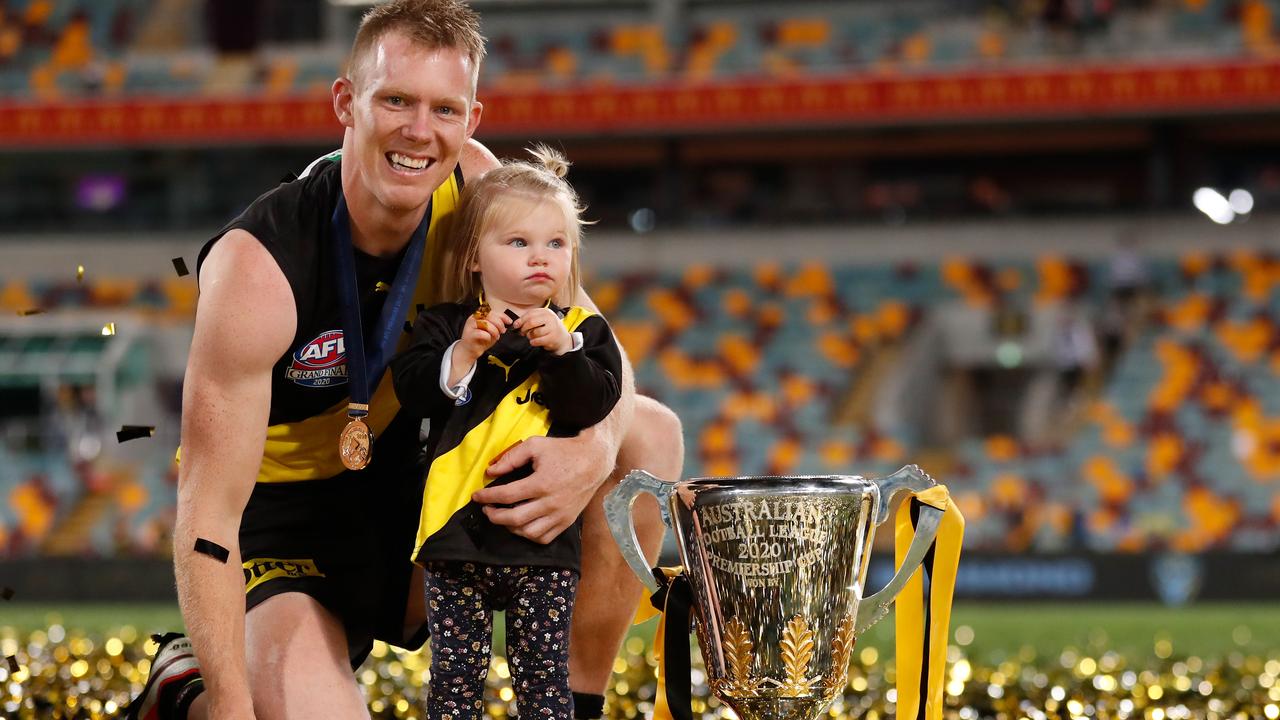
x: 1241, y: 201
x: 1212, y: 203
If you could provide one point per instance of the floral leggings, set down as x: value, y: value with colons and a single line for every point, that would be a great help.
x: 461, y: 598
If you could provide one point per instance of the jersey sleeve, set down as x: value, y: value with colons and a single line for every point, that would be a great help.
x: 581, y: 387
x: 415, y: 371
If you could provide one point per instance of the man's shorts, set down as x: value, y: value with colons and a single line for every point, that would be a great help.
x: 345, y: 541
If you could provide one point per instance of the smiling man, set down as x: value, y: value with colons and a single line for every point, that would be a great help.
x: 299, y: 481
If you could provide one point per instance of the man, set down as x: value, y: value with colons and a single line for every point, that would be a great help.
x: 291, y: 315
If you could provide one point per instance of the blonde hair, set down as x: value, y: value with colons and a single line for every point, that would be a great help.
x: 481, y: 206
x: 431, y: 23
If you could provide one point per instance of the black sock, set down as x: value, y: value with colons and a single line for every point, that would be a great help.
x: 587, y: 706
x: 175, y: 700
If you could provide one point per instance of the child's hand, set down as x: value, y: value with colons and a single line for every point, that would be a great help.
x: 478, y: 335
x: 543, y: 329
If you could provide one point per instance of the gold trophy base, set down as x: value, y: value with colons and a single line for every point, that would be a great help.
x: 763, y: 708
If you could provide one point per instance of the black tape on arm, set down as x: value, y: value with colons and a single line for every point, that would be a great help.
x: 212, y: 549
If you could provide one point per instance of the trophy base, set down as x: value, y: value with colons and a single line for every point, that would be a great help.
x: 778, y: 708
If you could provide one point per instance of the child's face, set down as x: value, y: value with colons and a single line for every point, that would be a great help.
x: 525, y: 255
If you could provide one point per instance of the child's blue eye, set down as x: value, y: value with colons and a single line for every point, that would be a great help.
x: 557, y: 244
x: 519, y: 242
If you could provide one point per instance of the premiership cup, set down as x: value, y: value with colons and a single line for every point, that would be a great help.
x: 777, y: 566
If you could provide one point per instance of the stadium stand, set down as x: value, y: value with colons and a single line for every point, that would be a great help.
x: 63, y: 48
x: 1172, y: 442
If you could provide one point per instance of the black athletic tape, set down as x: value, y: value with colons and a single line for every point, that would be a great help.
x: 212, y: 549
x: 13, y: 664
x: 7, y: 594
x: 133, y: 432
x: 180, y: 266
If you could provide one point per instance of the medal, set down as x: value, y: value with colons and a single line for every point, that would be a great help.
x: 482, y: 312
x: 367, y: 356
x: 355, y: 442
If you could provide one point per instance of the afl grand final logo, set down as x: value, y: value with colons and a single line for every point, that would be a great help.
x: 321, y: 362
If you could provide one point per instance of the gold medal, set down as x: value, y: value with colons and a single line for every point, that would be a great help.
x: 355, y: 443
x: 482, y: 312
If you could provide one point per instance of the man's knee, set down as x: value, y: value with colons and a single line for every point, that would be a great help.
x: 655, y: 441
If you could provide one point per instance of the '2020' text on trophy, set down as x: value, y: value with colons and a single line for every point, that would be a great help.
x: 777, y: 566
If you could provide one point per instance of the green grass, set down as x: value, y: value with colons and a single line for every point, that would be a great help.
x: 92, y: 618
x: 998, y: 630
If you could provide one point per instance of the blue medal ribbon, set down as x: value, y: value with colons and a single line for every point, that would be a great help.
x: 366, y: 361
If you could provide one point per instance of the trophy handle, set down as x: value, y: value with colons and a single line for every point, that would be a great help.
x: 617, y: 513
x: 910, y: 479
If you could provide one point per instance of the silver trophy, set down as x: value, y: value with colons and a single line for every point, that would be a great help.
x: 777, y: 566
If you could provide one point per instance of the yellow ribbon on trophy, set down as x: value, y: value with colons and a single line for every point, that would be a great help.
x: 922, y: 612
x: 920, y: 635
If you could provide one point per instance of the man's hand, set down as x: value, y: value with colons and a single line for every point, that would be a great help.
x: 566, y: 473
x: 543, y: 329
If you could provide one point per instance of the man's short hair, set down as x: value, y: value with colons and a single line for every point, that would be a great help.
x: 433, y: 23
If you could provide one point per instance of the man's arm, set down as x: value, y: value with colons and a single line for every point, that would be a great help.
x: 567, y: 471
x: 245, y: 320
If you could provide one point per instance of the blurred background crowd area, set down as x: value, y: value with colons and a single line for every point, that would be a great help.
x: 53, y: 48
x: 1069, y: 315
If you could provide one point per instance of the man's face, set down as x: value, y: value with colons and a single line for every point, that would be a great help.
x: 410, y: 109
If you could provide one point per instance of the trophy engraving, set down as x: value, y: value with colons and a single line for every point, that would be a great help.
x: 737, y: 650
x: 797, y: 651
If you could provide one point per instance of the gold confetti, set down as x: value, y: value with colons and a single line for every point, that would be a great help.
x: 381, y: 287
x: 79, y: 273
x: 30, y: 311
x: 109, y: 329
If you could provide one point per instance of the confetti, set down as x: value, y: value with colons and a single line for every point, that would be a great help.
x: 511, y: 315
x: 408, y: 326
x: 79, y: 273
x: 180, y: 266
x: 381, y: 287
x: 13, y: 664
x: 7, y: 593
x: 30, y: 311
x: 212, y: 549
x: 133, y: 432
x: 109, y: 329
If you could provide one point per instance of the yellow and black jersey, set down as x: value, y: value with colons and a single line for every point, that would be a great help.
x: 309, y: 391
x: 518, y: 391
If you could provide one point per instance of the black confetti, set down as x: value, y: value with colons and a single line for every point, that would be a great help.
x: 7, y: 593
x: 13, y: 664
x: 180, y: 266
x: 408, y: 326
x: 133, y: 432
x: 30, y: 311
x: 212, y: 549
x: 511, y: 315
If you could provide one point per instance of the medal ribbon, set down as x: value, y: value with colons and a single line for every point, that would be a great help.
x: 367, y: 362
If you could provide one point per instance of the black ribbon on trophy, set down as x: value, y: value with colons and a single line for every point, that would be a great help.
x: 367, y: 359
x: 674, y: 600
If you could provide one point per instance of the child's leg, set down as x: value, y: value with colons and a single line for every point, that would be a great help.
x: 538, y: 620
x: 461, y: 639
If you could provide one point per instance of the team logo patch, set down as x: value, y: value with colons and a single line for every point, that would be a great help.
x: 321, y: 362
x: 260, y: 570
